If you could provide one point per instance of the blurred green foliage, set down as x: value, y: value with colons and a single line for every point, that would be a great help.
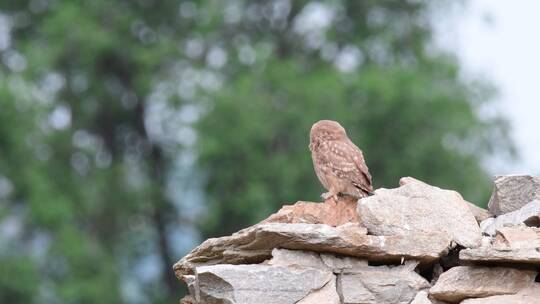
x: 112, y: 113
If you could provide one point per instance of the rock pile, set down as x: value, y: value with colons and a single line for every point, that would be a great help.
x: 414, y: 244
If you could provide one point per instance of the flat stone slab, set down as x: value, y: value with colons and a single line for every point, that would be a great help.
x: 304, y: 277
x: 248, y: 284
x: 518, y: 237
x: 462, y: 282
x: 381, y: 284
x: 528, y: 215
x: 517, y: 244
x: 530, y: 295
x: 418, y: 207
x: 522, y: 256
x: 358, y: 282
x: 254, y: 245
x: 326, y: 261
x: 422, y: 297
x: 511, y: 192
x: 286, y: 257
x: 327, y: 294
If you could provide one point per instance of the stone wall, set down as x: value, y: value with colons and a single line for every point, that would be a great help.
x: 413, y: 244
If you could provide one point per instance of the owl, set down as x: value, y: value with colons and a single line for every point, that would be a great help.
x: 339, y: 164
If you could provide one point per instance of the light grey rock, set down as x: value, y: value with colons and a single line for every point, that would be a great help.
x: 518, y: 237
x: 462, y: 282
x: 191, y: 283
x: 358, y: 282
x: 344, y: 263
x: 501, y: 255
x: 287, y: 280
x: 511, y: 192
x: 480, y: 214
x: 324, y: 261
x: 529, y: 215
x: 381, y: 285
x: 286, y: 257
x: 530, y: 295
x: 421, y: 298
x: 486, y: 223
x: 248, y: 284
x: 327, y: 295
x: 517, y: 244
x: 418, y: 207
x: 255, y: 244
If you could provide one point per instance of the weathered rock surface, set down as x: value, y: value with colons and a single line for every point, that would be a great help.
x: 422, y: 297
x: 486, y: 223
x: 298, y: 258
x: 530, y: 295
x: 327, y: 294
x: 293, y: 276
x: 459, y: 283
x: 330, y: 212
x: 286, y: 257
x: 254, y: 245
x: 343, y: 263
x: 529, y: 215
x: 480, y: 214
x: 518, y: 237
x: 511, y: 192
x: 358, y: 282
x: 418, y: 207
x: 247, y: 284
x: 501, y: 255
x: 326, y: 261
x: 516, y: 244
x: 381, y: 284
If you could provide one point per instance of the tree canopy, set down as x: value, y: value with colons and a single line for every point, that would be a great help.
x: 130, y: 128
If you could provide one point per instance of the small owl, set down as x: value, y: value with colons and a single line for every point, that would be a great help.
x: 339, y: 164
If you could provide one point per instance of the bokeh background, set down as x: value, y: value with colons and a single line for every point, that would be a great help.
x: 131, y: 130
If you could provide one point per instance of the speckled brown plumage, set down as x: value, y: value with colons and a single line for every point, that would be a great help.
x: 338, y: 162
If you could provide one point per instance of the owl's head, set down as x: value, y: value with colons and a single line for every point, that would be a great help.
x: 326, y: 130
